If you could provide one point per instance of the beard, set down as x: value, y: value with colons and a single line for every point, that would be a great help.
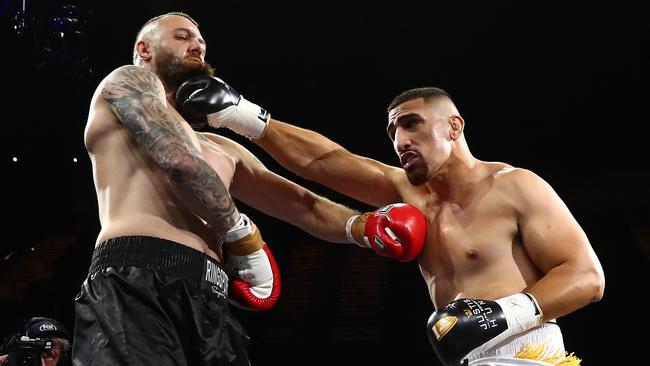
x: 173, y: 71
x: 418, y: 175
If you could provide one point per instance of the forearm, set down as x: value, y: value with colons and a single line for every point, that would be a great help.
x: 566, y: 289
x: 327, y: 221
x: 301, y: 151
x: 296, y: 148
x: 202, y: 188
x: 315, y: 214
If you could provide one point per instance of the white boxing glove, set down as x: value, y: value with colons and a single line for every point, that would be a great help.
x: 255, y: 277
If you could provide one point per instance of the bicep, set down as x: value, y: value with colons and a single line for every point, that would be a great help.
x: 313, y: 156
x: 550, y: 233
x: 361, y: 178
x: 137, y: 97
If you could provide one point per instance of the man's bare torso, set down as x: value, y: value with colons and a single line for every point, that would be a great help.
x: 134, y: 195
x: 473, y: 248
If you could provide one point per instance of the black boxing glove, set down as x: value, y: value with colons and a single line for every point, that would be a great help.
x: 471, y: 325
x: 222, y: 106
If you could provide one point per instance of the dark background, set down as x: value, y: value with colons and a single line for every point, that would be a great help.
x: 560, y: 89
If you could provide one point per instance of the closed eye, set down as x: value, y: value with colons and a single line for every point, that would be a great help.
x: 406, y: 122
x: 409, y: 123
x: 182, y: 34
x: 185, y: 34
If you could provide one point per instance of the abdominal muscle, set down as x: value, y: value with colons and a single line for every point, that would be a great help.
x: 142, y: 202
x: 488, y: 276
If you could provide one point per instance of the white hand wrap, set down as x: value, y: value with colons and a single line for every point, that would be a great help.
x: 348, y: 232
x: 245, y: 118
x: 522, y: 312
x: 348, y: 229
x: 242, y: 228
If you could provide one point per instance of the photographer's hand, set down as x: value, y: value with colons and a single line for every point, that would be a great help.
x: 3, y: 359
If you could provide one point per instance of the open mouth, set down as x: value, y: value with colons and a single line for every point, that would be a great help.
x: 408, y: 158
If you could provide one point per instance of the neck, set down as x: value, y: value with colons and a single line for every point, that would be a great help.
x: 170, y: 94
x: 455, y: 175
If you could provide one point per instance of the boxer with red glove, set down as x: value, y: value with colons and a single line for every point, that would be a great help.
x: 255, y: 282
x: 397, y: 231
x: 394, y: 231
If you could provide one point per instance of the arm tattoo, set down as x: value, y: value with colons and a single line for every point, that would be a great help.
x: 134, y: 97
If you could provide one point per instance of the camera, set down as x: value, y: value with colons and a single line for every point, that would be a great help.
x: 25, y: 351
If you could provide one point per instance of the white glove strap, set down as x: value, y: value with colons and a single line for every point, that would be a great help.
x: 522, y: 312
x: 246, y: 118
x: 348, y: 232
x: 348, y: 229
x: 254, y: 269
x: 242, y: 228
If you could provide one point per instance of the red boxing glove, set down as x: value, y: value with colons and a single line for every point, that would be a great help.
x: 394, y: 231
x: 255, y: 276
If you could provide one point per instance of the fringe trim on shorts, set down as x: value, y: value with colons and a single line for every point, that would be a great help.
x: 541, y: 353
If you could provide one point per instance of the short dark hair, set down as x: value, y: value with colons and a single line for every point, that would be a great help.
x: 179, y: 13
x: 146, y: 27
x: 426, y: 93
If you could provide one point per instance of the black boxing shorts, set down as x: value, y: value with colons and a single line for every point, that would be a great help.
x: 149, y: 301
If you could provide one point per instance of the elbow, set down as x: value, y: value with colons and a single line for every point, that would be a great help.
x: 180, y: 166
x: 320, y: 166
x: 596, y: 284
x: 309, y: 169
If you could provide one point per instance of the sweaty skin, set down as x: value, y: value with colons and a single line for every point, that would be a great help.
x: 155, y: 176
x: 134, y: 195
x: 149, y: 172
x: 493, y: 229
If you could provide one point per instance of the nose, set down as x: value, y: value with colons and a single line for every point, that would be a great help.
x: 197, y: 47
x: 402, y: 141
